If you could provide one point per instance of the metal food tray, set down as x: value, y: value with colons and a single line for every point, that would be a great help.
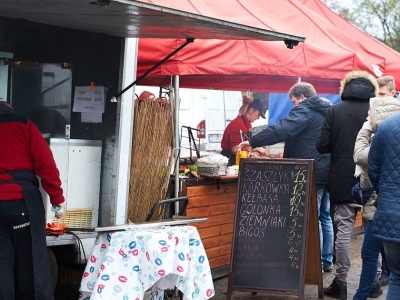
x: 152, y: 224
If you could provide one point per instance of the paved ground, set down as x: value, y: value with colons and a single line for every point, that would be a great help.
x: 311, y: 292
x: 70, y: 292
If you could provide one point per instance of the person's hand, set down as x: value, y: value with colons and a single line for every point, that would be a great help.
x: 244, y: 145
x: 261, y: 151
x: 247, y: 99
x: 371, y: 137
x: 367, y: 125
x: 59, y: 210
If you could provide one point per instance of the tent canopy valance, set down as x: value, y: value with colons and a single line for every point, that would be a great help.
x: 332, y: 48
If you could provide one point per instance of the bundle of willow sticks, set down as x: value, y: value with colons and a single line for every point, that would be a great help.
x: 152, y: 157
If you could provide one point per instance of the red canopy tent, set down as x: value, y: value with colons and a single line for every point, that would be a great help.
x: 332, y: 48
x: 363, y: 41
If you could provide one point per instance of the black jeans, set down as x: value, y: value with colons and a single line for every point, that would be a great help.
x: 16, y: 275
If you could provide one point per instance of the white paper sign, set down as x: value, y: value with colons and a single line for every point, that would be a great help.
x: 90, y: 100
x: 91, y: 117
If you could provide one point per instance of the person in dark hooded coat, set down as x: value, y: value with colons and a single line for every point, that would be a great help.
x: 338, y: 134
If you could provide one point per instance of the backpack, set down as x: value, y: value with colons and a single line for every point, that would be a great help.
x: 361, y: 194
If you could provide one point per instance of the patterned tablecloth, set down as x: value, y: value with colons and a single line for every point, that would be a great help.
x: 124, y: 264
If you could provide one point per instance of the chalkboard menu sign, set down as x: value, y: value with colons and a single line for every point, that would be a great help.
x: 270, y: 228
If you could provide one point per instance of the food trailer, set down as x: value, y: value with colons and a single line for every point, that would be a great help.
x: 48, y: 50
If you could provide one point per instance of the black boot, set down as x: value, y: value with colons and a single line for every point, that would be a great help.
x: 384, y: 278
x: 376, y: 290
x: 337, y: 290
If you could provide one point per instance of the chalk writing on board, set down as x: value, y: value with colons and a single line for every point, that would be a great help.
x: 271, y: 206
x: 260, y: 207
x: 270, y: 227
x: 296, y: 211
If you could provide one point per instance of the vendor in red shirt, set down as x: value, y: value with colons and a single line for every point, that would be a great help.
x: 24, y: 155
x: 241, y: 124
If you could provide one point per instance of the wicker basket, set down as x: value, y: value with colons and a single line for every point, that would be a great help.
x: 206, y: 169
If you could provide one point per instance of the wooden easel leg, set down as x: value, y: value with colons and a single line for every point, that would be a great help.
x: 314, y: 265
x: 229, y: 295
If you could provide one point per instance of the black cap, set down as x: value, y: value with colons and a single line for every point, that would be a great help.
x: 257, y: 104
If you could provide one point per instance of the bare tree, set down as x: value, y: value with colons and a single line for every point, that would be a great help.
x: 379, y: 18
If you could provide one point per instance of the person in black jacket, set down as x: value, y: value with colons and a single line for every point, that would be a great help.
x: 338, y: 134
x: 299, y: 130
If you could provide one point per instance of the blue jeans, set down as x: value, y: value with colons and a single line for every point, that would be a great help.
x: 325, y: 225
x: 369, y: 254
x: 392, y: 252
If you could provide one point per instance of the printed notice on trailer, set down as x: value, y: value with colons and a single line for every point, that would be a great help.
x: 89, y: 99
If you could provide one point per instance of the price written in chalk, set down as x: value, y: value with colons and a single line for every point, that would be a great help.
x: 271, y: 217
x: 296, y: 209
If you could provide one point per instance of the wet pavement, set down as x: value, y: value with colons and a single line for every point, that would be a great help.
x: 311, y: 291
x: 70, y: 292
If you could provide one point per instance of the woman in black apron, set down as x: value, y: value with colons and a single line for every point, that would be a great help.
x: 24, y: 154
